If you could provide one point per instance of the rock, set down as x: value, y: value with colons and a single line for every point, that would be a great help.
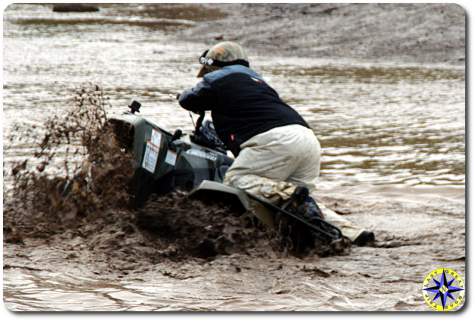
x: 74, y: 7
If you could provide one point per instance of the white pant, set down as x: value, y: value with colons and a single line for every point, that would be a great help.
x: 273, y: 163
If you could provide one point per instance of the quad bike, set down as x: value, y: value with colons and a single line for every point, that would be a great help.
x: 197, y: 163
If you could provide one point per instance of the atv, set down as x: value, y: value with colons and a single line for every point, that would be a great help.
x: 196, y: 163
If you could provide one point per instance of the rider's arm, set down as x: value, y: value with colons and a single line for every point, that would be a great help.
x: 198, y: 98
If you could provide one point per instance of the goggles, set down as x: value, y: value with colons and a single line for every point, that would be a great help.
x: 213, y: 62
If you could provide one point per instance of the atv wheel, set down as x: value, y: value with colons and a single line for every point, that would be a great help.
x: 197, y: 228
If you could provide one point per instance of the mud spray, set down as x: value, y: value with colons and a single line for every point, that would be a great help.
x: 77, y: 186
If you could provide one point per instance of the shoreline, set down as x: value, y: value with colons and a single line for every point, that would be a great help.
x: 381, y: 33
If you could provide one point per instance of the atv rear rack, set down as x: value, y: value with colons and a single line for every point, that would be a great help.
x: 320, y: 231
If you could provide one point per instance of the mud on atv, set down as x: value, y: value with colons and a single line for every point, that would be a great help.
x: 195, y: 164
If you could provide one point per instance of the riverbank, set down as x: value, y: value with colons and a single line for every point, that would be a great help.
x: 402, y: 33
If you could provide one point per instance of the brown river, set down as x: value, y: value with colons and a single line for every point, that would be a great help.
x: 393, y: 139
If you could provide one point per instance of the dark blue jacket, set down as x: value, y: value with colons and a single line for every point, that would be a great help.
x: 242, y: 105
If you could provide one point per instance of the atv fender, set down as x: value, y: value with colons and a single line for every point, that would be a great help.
x: 210, y: 190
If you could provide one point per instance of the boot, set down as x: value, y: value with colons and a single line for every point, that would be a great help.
x: 301, y: 202
x: 310, y: 209
x: 305, y: 206
x: 364, y: 238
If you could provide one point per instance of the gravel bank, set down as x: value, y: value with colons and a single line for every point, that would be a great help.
x: 408, y: 33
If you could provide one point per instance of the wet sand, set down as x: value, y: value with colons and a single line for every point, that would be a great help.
x: 409, y: 33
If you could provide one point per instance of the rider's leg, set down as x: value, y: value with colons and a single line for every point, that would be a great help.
x: 265, y: 162
x: 307, y: 174
x: 273, y: 163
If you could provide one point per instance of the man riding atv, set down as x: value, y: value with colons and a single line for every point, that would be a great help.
x: 275, y: 149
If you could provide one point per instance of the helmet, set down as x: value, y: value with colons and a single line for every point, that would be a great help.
x: 223, y: 54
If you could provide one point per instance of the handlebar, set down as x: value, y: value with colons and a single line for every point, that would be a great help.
x: 199, y: 122
x: 134, y: 106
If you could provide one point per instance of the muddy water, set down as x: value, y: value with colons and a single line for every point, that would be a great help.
x: 393, y: 139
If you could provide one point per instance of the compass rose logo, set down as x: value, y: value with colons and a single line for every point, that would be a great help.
x: 443, y: 290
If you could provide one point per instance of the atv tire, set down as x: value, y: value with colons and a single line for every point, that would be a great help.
x: 197, y: 228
